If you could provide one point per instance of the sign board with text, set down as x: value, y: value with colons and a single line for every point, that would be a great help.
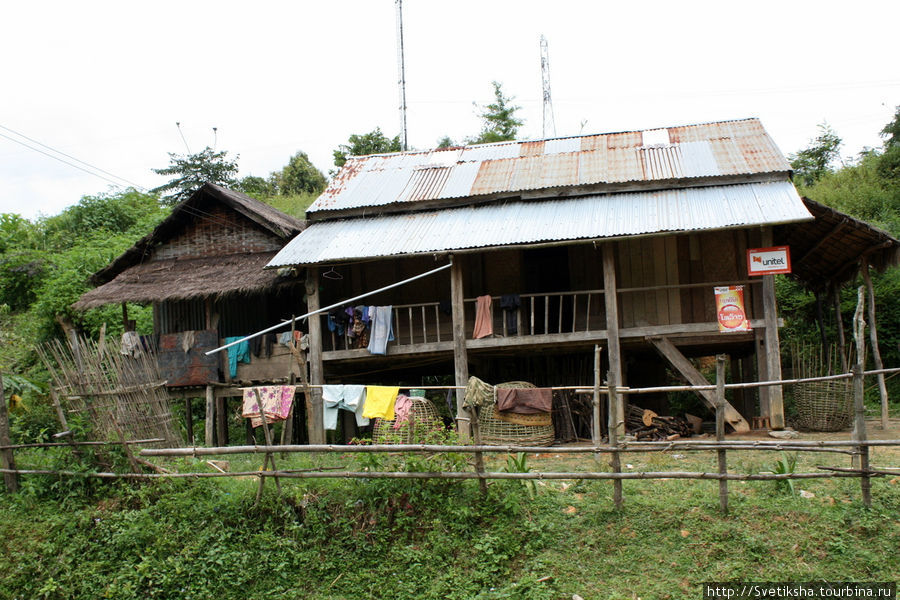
x: 768, y: 261
x: 730, y: 308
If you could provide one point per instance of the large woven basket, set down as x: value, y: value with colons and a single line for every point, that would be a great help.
x: 424, y: 420
x: 824, y: 405
x: 495, y: 432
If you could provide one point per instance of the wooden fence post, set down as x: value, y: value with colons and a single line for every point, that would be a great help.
x: 6, y: 456
x: 859, y: 408
x: 720, y: 431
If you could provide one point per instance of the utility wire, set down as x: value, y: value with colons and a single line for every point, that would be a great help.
x: 22, y: 135
x: 115, y: 183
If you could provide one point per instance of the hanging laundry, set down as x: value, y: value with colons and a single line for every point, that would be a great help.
x: 284, y: 338
x: 510, y: 304
x: 131, y: 344
x: 478, y: 393
x: 238, y: 353
x: 483, y: 325
x: 346, y: 397
x: 382, y: 329
x: 402, y: 410
x: 187, y: 341
x: 525, y: 401
x: 380, y: 402
x: 276, y: 403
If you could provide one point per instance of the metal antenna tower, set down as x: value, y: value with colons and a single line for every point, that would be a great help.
x: 402, y: 69
x: 549, y: 125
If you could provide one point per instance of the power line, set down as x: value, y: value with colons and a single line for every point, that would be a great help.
x: 22, y: 135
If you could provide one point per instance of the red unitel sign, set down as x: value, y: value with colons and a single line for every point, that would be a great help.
x: 730, y: 308
x: 769, y: 261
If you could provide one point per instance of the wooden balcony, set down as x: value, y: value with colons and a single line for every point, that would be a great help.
x: 553, y: 318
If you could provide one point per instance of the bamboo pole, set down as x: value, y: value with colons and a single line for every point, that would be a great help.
x: 269, y: 458
x: 7, y: 458
x: 595, y: 429
x: 720, y: 431
x: 802, y: 445
x: 210, y: 415
x: 551, y: 475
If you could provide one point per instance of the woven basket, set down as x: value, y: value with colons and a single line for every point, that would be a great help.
x: 424, y: 419
x: 824, y: 405
x: 495, y: 432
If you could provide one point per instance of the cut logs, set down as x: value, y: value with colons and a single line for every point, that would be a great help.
x: 645, y: 424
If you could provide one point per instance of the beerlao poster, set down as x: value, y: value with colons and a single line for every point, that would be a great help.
x: 730, y: 308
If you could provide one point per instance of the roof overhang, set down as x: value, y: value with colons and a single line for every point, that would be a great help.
x: 183, y: 279
x: 546, y: 221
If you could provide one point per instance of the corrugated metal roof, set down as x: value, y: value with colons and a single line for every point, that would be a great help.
x: 524, y: 222
x: 706, y: 150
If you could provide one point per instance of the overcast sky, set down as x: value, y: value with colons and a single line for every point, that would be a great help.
x: 105, y: 82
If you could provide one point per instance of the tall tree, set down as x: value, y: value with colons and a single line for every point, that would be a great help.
x: 374, y: 142
x: 299, y: 176
x: 193, y: 170
x: 499, y: 122
x: 811, y: 163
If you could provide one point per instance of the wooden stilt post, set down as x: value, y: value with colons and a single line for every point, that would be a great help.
x: 460, y: 357
x: 839, y: 326
x: 189, y: 421
x: 7, y: 459
x: 210, y: 415
x: 222, y: 421
x: 314, y: 424
x: 861, y: 461
x: 612, y: 332
x: 773, y: 348
x: 720, y: 431
x: 873, y: 338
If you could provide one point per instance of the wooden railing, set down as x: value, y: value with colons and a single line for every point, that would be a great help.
x: 537, y: 314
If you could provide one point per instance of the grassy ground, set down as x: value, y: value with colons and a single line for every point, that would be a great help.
x: 336, y: 539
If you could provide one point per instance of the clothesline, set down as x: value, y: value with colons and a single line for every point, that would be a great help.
x: 327, y: 308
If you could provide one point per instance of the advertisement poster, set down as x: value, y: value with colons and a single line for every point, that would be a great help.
x: 768, y: 261
x: 730, y: 308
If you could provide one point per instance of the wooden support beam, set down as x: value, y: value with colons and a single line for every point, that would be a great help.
x: 460, y: 358
x: 210, y: 415
x: 611, y: 298
x: 773, y: 348
x: 861, y: 460
x: 873, y: 339
x: 678, y: 360
x: 720, y: 431
x: 315, y: 427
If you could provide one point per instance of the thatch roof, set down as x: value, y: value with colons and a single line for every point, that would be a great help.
x: 269, y: 218
x: 828, y: 250
x: 180, y: 279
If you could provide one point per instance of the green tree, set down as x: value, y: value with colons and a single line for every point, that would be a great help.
x: 374, y: 142
x: 193, y: 170
x: 299, y: 176
x: 891, y: 131
x: 499, y: 122
x: 446, y: 142
x: 811, y: 163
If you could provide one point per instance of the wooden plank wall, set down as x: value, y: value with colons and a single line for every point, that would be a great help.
x: 717, y: 256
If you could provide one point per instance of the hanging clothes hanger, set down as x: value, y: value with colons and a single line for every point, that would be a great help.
x: 332, y: 274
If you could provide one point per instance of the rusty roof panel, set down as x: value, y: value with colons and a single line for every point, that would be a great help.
x: 531, y: 148
x: 546, y: 221
x: 696, y: 151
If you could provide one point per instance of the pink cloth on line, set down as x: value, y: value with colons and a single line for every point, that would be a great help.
x: 483, y: 325
x: 276, y: 401
x: 402, y: 408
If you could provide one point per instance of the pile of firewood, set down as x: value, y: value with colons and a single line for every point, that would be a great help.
x: 645, y: 424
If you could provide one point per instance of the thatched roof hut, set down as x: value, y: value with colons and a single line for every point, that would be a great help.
x: 213, y: 244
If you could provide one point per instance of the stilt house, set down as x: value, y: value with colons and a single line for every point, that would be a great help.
x: 202, y: 270
x: 617, y: 240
